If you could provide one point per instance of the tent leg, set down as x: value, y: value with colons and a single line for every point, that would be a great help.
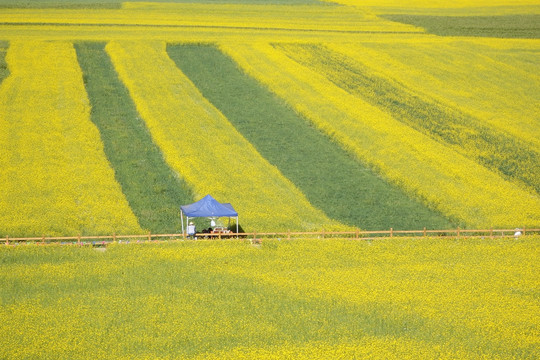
x: 182, y: 220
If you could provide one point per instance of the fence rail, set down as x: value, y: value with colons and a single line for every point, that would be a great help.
x: 258, y: 236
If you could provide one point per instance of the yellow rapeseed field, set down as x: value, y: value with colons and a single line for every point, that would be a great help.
x: 408, y: 278
x: 55, y: 177
x: 394, y: 298
x: 367, y: 347
x: 499, y: 145
x: 495, y: 80
x: 198, y: 22
x: 400, y: 298
x: 502, y: 78
x: 457, y: 186
x: 204, y: 148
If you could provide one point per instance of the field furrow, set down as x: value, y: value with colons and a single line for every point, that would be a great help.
x: 427, y: 169
x: 331, y: 179
x: 466, y: 134
x: 55, y: 177
x: 154, y: 191
x: 204, y: 148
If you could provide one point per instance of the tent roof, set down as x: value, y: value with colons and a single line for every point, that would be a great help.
x: 208, y: 207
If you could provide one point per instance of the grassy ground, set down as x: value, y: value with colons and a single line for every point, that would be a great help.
x: 153, y: 190
x: 509, y: 26
x: 4, y: 71
x: 386, y: 299
x: 331, y: 179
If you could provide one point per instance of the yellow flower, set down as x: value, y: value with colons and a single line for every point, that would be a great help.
x: 55, y: 177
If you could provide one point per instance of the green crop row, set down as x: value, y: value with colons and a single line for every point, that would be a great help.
x: 155, y: 193
x: 4, y: 71
x: 331, y: 178
x: 504, y: 26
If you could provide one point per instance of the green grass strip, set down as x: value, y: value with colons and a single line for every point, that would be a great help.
x: 330, y: 177
x: 507, y: 26
x: 4, y: 71
x: 486, y: 145
x: 153, y: 190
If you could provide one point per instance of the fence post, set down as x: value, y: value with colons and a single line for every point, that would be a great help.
x: 149, y: 236
x: 458, y: 231
x: 391, y: 232
x: 357, y: 233
x: 7, y: 239
x: 425, y: 231
x: 322, y: 233
x: 491, y: 233
x: 288, y: 234
x: 79, y: 239
x: 114, y: 236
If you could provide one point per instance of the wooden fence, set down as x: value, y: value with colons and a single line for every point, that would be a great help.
x: 102, y: 240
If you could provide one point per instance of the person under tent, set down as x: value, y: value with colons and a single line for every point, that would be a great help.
x: 191, y: 230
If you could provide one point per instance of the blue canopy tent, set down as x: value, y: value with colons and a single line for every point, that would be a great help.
x: 207, y: 207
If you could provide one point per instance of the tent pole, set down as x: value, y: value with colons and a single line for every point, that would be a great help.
x: 237, y: 226
x: 182, y: 219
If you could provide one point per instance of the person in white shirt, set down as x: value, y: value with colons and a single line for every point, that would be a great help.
x: 191, y: 230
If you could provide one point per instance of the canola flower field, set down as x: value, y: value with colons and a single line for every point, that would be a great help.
x: 398, y: 298
x: 445, y: 128
x: 418, y: 113
x: 55, y: 176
